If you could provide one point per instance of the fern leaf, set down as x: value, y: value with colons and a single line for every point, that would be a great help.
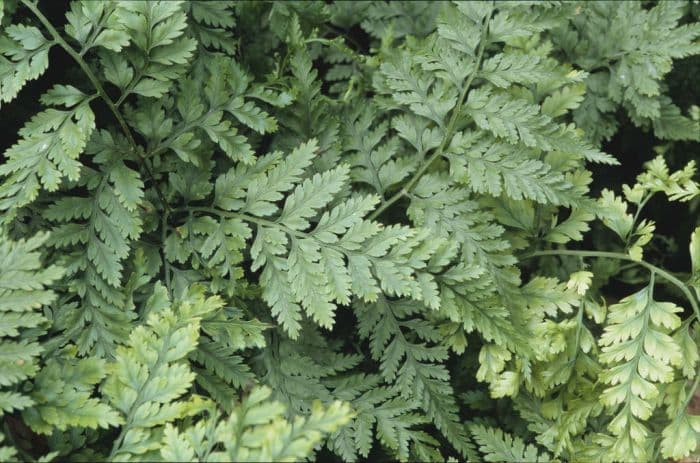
x: 160, y: 48
x: 97, y: 231
x: 493, y: 169
x: 94, y: 25
x: 311, y: 195
x: 373, y: 157
x: 65, y: 398
x: 22, y: 292
x: 680, y: 438
x: 502, y: 70
x: 221, y: 360
x: 641, y: 355
x: 411, y: 366
x: 254, y: 422
x: 264, y: 186
x: 24, y: 56
x: 499, y: 446
x: 46, y: 153
x: 149, y: 374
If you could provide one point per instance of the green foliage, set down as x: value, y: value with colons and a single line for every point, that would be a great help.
x: 499, y: 446
x: 48, y: 149
x: 277, y: 231
x: 25, y: 57
x: 259, y: 430
x: 627, y: 64
x: 94, y: 233
x: 638, y: 352
x: 22, y: 293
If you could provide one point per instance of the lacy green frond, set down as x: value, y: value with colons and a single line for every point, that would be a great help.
x: 150, y: 374
x: 48, y: 150
x: 262, y: 231
x: 24, y: 290
x: 499, y: 446
x: 259, y: 430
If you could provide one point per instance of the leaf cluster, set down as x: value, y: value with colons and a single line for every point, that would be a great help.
x: 277, y: 231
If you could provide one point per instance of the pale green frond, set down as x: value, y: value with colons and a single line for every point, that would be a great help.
x: 24, y: 289
x: 24, y: 56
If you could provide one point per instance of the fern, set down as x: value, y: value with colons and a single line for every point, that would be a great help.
x: 211, y: 23
x: 25, y: 57
x: 148, y: 399
x: 628, y: 65
x: 254, y: 423
x: 97, y: 236
x: 413, y: 367
x: 311, y: 115
x: 498, y: 446
x: 65, y: 399
x: 393, y: 416
x: 290, y: 250
x: 23, y: 291
x: 640, y: 354
x: 159, y: 47
x: 48, y: 150
x: 366, y: 231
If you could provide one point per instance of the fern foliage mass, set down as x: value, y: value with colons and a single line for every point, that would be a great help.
x: 349, y: 231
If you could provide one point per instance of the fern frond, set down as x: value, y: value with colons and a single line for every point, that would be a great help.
x: 96, y: 231
x: 48, y: 150
x: 499, y: 446
x: 212, y: 24
x: 640, y: 355
x: 65, y: 398
x: 23, y: 290
x: 24, y: 56
x: 261, y: 432
x: 413, y: 366
x: 640, y: 48
x: 149, y: 375
x: 372, y: 155
x: 160, y: 47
